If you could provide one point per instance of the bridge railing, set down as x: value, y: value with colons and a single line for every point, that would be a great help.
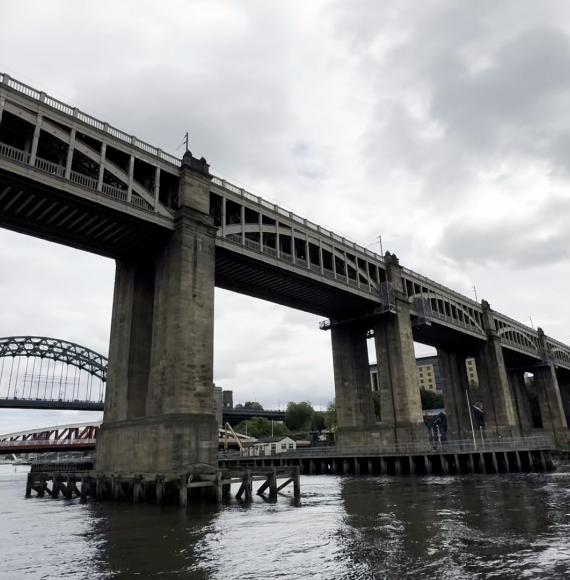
x: 47, y: 443
x: 296, y: 219
x: 87, y: 119
x: 535, y: 442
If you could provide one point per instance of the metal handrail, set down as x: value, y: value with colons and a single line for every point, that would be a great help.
x: 50, y: 442
x: 486, y: 445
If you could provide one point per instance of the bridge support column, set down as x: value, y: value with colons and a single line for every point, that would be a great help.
x: 549, y: 397
x: 498, y: 405
x: 159, y: 409
x: 522, y: 404
x: 455, y: 388
x: 564, y: 385
x: 401, y: 408
x: 353, y: 396
x: 550, y: 402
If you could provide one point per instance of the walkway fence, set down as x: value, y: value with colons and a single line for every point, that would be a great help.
x: 542, y: 442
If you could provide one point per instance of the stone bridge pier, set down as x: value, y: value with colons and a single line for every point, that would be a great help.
x: 521, y: 401
x: 498, y: 401
x: 455, y: 383
x: 401, y: 421
x: 159, y: 407
x: 550, y: 399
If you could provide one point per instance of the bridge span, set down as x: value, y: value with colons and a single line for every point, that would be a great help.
x: 73, y: 437
x: 176, y: 231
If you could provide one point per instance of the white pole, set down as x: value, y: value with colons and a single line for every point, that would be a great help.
x: 471, y: 418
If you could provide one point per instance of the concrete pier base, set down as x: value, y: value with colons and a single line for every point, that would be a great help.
x: 160, y: 413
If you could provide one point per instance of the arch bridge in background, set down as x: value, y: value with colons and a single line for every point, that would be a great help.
x: 50, y: 373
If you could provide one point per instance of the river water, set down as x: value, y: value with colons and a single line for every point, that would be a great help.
x: 507, y: 526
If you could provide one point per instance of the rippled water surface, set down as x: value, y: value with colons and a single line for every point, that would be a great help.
x: 509, y: 526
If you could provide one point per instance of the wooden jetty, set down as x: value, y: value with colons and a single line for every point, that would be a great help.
x: 79, y: 480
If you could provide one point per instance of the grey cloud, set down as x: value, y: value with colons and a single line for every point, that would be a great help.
x: 540, y: 240
x: 455, y: 91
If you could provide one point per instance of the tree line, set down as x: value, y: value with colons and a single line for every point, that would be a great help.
x: 302, y: 417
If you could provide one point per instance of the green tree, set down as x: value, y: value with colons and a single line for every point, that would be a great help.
x: 261, y: 427
x: 431, y: 400
x: 330, y: 416
x: 318, y: 421
x: 299, y: 415
x: 253, y: 405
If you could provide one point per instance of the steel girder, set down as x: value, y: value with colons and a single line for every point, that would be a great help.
x: 58, y: 350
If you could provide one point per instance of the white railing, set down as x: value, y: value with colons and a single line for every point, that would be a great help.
x: 50, y: 167
x: 83, y: 180
x: 32, y: 93
x: 295, y: 219
x: 14, y: 154
x: 120, y: 194
x: 140, y: 202
x: 299, y: 262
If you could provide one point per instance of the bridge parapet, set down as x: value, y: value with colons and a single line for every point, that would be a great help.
x: 447, y: 306
x: 67, y: 144
x: 253, y: 224
x: 516, y: 335
x: 559, y: 351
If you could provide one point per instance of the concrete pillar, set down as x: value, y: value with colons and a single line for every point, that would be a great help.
x: 550, y: 403
x: 400, y: 401
x: 498, y: 406
x: 159, y: 408
x: 455, y: 386
x: 520, y: 397
x: 354, y: 406
x: 549, y: 396
x: 563, y: 378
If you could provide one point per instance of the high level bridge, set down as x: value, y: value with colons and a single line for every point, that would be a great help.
x: 176, y: 231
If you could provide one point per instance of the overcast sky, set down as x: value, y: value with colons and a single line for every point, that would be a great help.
x: 444, y: 126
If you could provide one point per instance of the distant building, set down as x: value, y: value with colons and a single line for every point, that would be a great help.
x: 429, y: 374
x: 271, y: 446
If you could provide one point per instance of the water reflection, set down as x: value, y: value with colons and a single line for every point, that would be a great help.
x: 475, y: 527
x: 510, y: 526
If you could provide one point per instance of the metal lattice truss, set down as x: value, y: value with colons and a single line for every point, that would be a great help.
x: 58, y: 350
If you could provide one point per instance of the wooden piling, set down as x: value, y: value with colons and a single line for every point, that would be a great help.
x: 296, y: 484
x: 183, y: 490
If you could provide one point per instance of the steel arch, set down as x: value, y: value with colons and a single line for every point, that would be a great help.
x: 58, y: 350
